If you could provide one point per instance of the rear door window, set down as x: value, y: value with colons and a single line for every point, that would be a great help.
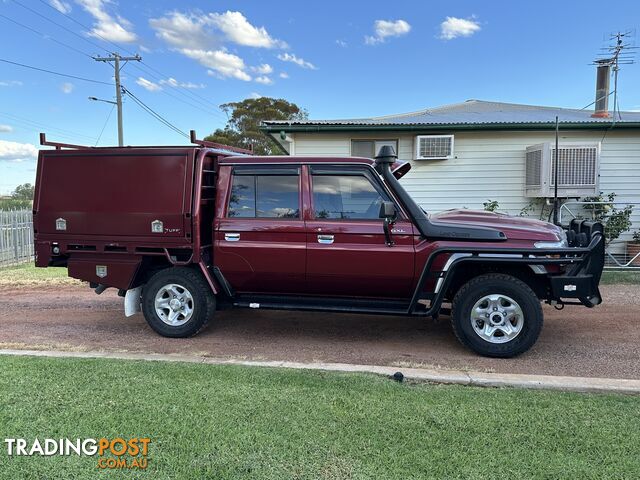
x: 268, y: 195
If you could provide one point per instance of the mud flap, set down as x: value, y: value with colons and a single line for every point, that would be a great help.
x: 132, y: 300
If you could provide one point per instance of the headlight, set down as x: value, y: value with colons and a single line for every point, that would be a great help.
x: 561, y: 243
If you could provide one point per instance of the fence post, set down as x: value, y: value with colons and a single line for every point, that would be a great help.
x: 15, y: 236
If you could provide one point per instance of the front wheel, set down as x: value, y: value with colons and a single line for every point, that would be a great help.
x: 496, y: 315
x: 177, y: 302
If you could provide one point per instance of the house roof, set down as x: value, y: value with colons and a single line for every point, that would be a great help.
x: 469, y: 115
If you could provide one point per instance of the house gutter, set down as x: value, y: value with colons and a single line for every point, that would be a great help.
x: 272, y: 129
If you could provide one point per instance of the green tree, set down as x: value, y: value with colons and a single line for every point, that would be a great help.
x: 491, y: 205
x: 243, y: 127
x: 615, y: 221
x: 23, y: 192
x: 20, y: 198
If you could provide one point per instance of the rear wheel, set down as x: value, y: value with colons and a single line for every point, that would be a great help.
x: 496, y: 315
x: 177, y: 302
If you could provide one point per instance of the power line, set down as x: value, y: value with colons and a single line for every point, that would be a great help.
x: 82, y: 25
x: 54, y: 73
x: 177, y: 89
x: 32, y: 125
x: 116, y: 59
x: 597, y: 99
x: 105, y: 125
x: 47, y: 37
x: 184, y: 91
x: 153, y: 113
x: 100, y: 47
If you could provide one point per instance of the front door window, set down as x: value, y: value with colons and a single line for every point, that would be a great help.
x: 345, y: 197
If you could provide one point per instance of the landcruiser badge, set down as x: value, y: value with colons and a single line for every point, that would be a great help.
x: 157, y: 226
x: 570, y: 288
x: 101, y: 271
x: 61, y: 224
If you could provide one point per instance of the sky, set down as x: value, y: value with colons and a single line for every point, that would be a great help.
x: 336, y: 59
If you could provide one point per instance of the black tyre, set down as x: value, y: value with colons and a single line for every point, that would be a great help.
x: 496, y: 315
x: 177, y: 302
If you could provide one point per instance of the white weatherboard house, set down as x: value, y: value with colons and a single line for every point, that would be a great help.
x: 467, y: 153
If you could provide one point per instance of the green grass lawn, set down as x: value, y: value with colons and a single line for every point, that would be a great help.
x: 226, y: 422
x: 611, y: 277
x: 27, y: 274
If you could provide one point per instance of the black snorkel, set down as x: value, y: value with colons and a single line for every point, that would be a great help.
x: 428, y: 229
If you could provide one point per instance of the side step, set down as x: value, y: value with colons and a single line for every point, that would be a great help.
x: 324, y: 304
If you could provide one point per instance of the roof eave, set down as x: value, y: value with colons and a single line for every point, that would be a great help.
x: 310, y: 128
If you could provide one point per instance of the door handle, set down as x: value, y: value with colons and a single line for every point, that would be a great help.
x: 325, y: 238
x: 232, y: 237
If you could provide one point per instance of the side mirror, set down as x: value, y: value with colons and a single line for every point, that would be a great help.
x: 389, y: 213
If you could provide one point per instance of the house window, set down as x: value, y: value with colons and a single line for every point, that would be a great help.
x: 264, y: 196
x: 370, y: 148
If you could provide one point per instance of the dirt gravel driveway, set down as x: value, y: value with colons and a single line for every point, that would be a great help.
x: 599, y: 342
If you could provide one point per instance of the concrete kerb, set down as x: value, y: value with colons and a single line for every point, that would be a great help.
x: 456, y: 377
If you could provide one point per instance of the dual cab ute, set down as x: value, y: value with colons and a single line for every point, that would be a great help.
x: 184, y: 231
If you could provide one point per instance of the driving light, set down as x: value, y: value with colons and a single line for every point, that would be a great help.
x: 560, y: 244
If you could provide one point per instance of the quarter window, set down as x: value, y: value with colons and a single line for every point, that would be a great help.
x: 264, y: 196
x: 346, y: 197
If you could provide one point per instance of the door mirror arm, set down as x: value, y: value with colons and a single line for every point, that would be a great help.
x: 389, y: 214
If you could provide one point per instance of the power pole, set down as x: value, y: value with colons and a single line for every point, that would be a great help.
x: 116, y: 59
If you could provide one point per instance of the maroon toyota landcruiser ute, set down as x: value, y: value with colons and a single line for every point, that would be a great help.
x: 184, y: 231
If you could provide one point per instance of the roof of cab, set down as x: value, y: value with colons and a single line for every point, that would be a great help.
x: 286, y: 159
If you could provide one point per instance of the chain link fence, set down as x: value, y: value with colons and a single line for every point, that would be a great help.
x: 16, y: 237
x: 623, y: 252
x: 622, y: 247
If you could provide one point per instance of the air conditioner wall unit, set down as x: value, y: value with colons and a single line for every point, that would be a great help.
x: 578, y: 175
x: 434, y: 147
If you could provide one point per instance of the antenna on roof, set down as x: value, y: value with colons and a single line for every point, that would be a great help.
x: 556, y: 162
x: 620, y: 52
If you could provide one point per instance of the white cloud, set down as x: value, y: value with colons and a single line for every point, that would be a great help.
x: 289, y: 57
x: 236, y: 28
x: 201, y: 38
x: 61, y: 6
x: 384, y: 29
x: 67, y: 87
x: 180, y: 30
x: 175, y: 83
x: 222, y: 64
x: 117, y: 29
x: 264, y: 69
x: 283, y: 75
x: 6, y: 129
x: 148, y: 84
x: 255, y: 95
x: 17, y: 152
x: 263, y: 79
x: 10, y: 83
x: 454, y: 27
x: 341, y: 43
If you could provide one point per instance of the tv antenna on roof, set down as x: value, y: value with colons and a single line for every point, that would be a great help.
x: 619, y: 52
